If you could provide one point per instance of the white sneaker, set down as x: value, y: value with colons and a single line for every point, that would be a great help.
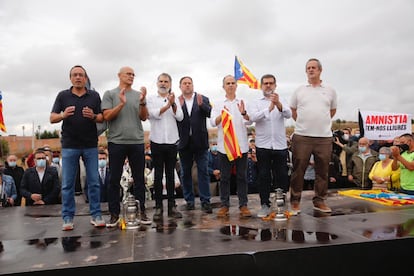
x: 264, y: 211
x: 98, y: 221
x: 67, y: 224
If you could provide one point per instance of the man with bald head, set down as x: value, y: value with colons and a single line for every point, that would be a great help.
x: 361, y: 164
x: 125, y: 108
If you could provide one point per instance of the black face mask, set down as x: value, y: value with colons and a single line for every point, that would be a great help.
x: 403, y: 147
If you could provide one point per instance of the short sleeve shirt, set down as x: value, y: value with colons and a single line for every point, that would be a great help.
x: 313, y: 106
x: 407, y: 176
x: 78, y: 131
x: 127, y: 127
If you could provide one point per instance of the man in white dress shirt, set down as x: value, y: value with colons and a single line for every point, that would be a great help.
x: 240, y: 118
x: 269, y: 113
x: 164, y: 111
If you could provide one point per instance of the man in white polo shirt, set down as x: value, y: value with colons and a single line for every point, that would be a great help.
x: 313, y: 106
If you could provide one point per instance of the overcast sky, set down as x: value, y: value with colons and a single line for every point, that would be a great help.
x: 366, y: 49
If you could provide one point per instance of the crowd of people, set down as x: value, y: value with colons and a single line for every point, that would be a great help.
x: 181, y: 161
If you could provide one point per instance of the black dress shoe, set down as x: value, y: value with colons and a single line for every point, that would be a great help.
x: 190, y: 206
x: 173, y: 213
x: 158, y: 214
x: 206, y: 207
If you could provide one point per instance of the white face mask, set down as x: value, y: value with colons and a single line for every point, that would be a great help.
x: 346, y: 137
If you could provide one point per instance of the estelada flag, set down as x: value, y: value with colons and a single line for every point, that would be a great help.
x: 243, y: 75
x: 2, y: 126
x: 231, y: 144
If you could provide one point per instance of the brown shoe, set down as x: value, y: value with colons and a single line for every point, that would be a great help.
x: 223, y: 212
x: 321, y: 207
x: 244, y: 212
x: 295, y: 208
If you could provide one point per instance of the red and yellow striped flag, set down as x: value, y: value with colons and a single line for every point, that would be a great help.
x: 243, y: 75
x: 2, y: 125
x: 231, y: 144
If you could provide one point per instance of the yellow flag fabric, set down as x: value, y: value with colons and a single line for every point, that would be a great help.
x: 244, y: 76
x: 231, y: 144
x: 2, y: 125
x: 381, y: 196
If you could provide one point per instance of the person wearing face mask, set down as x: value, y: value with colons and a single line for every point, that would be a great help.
x: 16, y: 172
x: 8, y: 192
x: 403, y: 156
x: 103, y: 170
x: 269, y: 113
x: 40, y: 184
x: 381, y: 174
x: 164, y: 111
x: 344, y: 148
x: 213, y: 168
x: 361, y: 164
x: 55, y: 163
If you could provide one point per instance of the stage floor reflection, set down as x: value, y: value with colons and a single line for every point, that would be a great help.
x: 32, y: 239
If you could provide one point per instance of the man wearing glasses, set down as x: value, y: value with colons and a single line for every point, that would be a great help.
x: 269, y: 113
x: 40, y: 184
x: 79, y: 109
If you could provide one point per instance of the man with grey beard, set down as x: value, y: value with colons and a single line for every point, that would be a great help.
x: 164, y: 111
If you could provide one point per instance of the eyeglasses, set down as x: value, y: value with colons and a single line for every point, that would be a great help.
x: 78, y: 74
x: 268, y: 83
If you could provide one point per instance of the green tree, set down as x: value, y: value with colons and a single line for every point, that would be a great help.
x: 4, y: 148
x: 48, y: 135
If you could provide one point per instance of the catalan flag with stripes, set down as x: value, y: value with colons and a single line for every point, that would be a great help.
x: 231, y: 144
x: 243, y: 75
x: 2, y: 126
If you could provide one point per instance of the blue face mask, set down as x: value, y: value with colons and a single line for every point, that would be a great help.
x: 362, y: 149
x: 102, y: 163
x: 382, y: 156
x: 55, y: 160
x: 12, y: 164
x: 214, y: 148
x: 41, y: 163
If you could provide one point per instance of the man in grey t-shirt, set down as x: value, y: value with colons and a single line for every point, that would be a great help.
x: 125, y: 108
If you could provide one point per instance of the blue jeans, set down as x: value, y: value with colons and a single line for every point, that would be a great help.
x: 241, y: 175
x: 70, y: 166
x: 186, y: 160
x: 136, y: 158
